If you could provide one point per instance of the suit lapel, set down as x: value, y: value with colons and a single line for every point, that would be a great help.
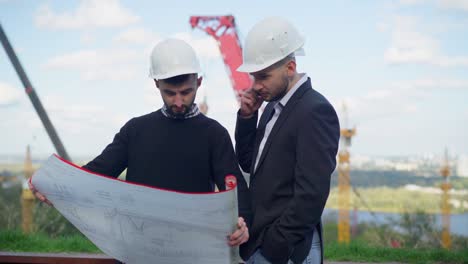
x: 285, y: 112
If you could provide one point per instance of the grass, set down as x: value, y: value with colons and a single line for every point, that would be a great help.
x: 357, y: 251
x: 396, y: 200
x: 17, y: 241
x: 360, y: 252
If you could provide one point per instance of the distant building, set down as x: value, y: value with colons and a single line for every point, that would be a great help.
x: 405, y: 166
x: 462, y: 166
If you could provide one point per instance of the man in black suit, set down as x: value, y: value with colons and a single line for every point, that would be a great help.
x: 290, y: 155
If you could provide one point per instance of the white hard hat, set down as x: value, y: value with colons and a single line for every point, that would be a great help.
x: 172, y: 57
x: 270, y: 41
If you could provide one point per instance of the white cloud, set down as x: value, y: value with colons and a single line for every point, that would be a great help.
x: 454, y: 4
x: 367, y: 108
x: 397, y: 99
x: 9, y: 94
x: 75, y: 112
x: 412, y: 2
x: 219, y: 92
x: 77, y: 122
x: 151, y: 96
x: 382, y: 27
x: 137, y: 36
x: 424, y: 84
x: 89, y: 14
x: 121, y: 63
x: 410, y: 46
x: 206, y: 47
x: 452, y: 61
x: 109, y: 64
x: 87, y: 38
x: 443, y: 4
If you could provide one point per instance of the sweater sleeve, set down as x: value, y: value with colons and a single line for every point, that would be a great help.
x: 224, y: 163
x: 114, y: 158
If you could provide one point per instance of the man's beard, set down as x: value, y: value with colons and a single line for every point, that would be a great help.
x: 283, y: 91
x: 179, y: 115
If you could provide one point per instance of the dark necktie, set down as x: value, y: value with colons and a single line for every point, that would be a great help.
x: 269, y: 113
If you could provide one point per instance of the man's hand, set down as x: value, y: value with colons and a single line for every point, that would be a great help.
x: 250, y: 102
x: 39, y: 195
x: 241, y: 235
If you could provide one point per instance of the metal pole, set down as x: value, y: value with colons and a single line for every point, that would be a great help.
x: 33, y: 96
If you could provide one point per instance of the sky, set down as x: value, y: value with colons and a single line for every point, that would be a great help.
x: 400, y: 67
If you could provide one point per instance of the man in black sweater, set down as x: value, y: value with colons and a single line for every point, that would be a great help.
x: 176, y: 147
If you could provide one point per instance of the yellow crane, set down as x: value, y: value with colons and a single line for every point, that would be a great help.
x: 445, y: 205
x: 344, y: 186
x: 27, y: 198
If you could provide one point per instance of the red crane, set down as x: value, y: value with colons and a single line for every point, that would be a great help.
x: 223, y: 30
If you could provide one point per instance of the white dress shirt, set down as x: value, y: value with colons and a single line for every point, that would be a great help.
x: 278, y: 108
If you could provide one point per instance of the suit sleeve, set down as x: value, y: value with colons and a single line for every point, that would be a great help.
x: 245, y: 140
x: 114, y: 158
x: 316, y: 148
x: 224, y: 163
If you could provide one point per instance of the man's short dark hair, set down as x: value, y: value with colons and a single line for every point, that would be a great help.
x: 282, y: 62
x: 285, y: 60
x: 179, y: 79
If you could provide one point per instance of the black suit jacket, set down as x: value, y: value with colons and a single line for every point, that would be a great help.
x: 291, y: 184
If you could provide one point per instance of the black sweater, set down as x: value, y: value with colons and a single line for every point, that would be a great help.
x: 189, y: 155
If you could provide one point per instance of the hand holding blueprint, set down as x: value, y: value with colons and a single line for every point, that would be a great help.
x: 139, y: 224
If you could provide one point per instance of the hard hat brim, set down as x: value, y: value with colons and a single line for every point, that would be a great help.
x: 173, y: 73
x: 250, y: 68
x: 300, y: 52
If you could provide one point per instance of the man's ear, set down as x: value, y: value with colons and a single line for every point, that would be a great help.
x: 199, y: 81
x: 291, y: 68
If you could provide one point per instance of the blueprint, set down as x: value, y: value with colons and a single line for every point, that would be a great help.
x: 139, y: 224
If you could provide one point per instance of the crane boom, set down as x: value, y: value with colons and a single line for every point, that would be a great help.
x: 223, y: 30
x: 33, y: 96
